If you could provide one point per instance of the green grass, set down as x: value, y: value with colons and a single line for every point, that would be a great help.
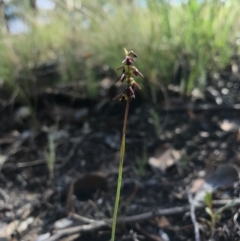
x: 141, y: 162
x: 51, y: 154
x: 159, y: 32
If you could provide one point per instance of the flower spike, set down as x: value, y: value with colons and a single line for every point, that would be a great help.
x: 128, y: 72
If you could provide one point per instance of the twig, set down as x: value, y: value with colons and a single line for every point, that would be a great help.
x: 201, y: 107
x: 83, y: 219
x: 136, y: 218
x: 193, y: 217
x: 73, y: 230
x: 149, y: 236
x: 235, y: 217
x: 31, y: 163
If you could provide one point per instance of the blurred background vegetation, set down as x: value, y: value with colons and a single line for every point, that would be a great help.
x: 80, y: 38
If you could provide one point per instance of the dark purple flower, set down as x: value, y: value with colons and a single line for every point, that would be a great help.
x: 137, y: 72
x: 136, y: 84
x: 128, y: 60
x: 127, y: 94
x: 121, y: 78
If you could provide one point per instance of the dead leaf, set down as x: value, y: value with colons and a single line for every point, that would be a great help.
x: 8, y: 230
x: 162, y: 222
x: 225, y: 175
x: 23, y: 226
x: 63, y: 223
x: 196, y: 185
x: 165, y: 156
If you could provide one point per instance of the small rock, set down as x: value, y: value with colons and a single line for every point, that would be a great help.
x: 85, y: 187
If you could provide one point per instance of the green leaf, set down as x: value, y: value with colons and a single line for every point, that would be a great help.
x: 208, y: 211
x: 230, y: 204
x: 216, y: 217
x: 208, y: 199
x: 203, y: 220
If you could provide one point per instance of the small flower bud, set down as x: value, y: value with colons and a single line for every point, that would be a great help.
x: 132, y: 54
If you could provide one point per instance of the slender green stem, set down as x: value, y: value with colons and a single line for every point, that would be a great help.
x: 120, y: 170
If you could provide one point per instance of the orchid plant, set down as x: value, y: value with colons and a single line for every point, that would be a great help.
x: 129, y: 71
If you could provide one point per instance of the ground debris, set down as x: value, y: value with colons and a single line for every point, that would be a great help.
x: 165, y: 156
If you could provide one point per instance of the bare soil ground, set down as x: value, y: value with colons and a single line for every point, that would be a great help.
x: 204, y: 132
